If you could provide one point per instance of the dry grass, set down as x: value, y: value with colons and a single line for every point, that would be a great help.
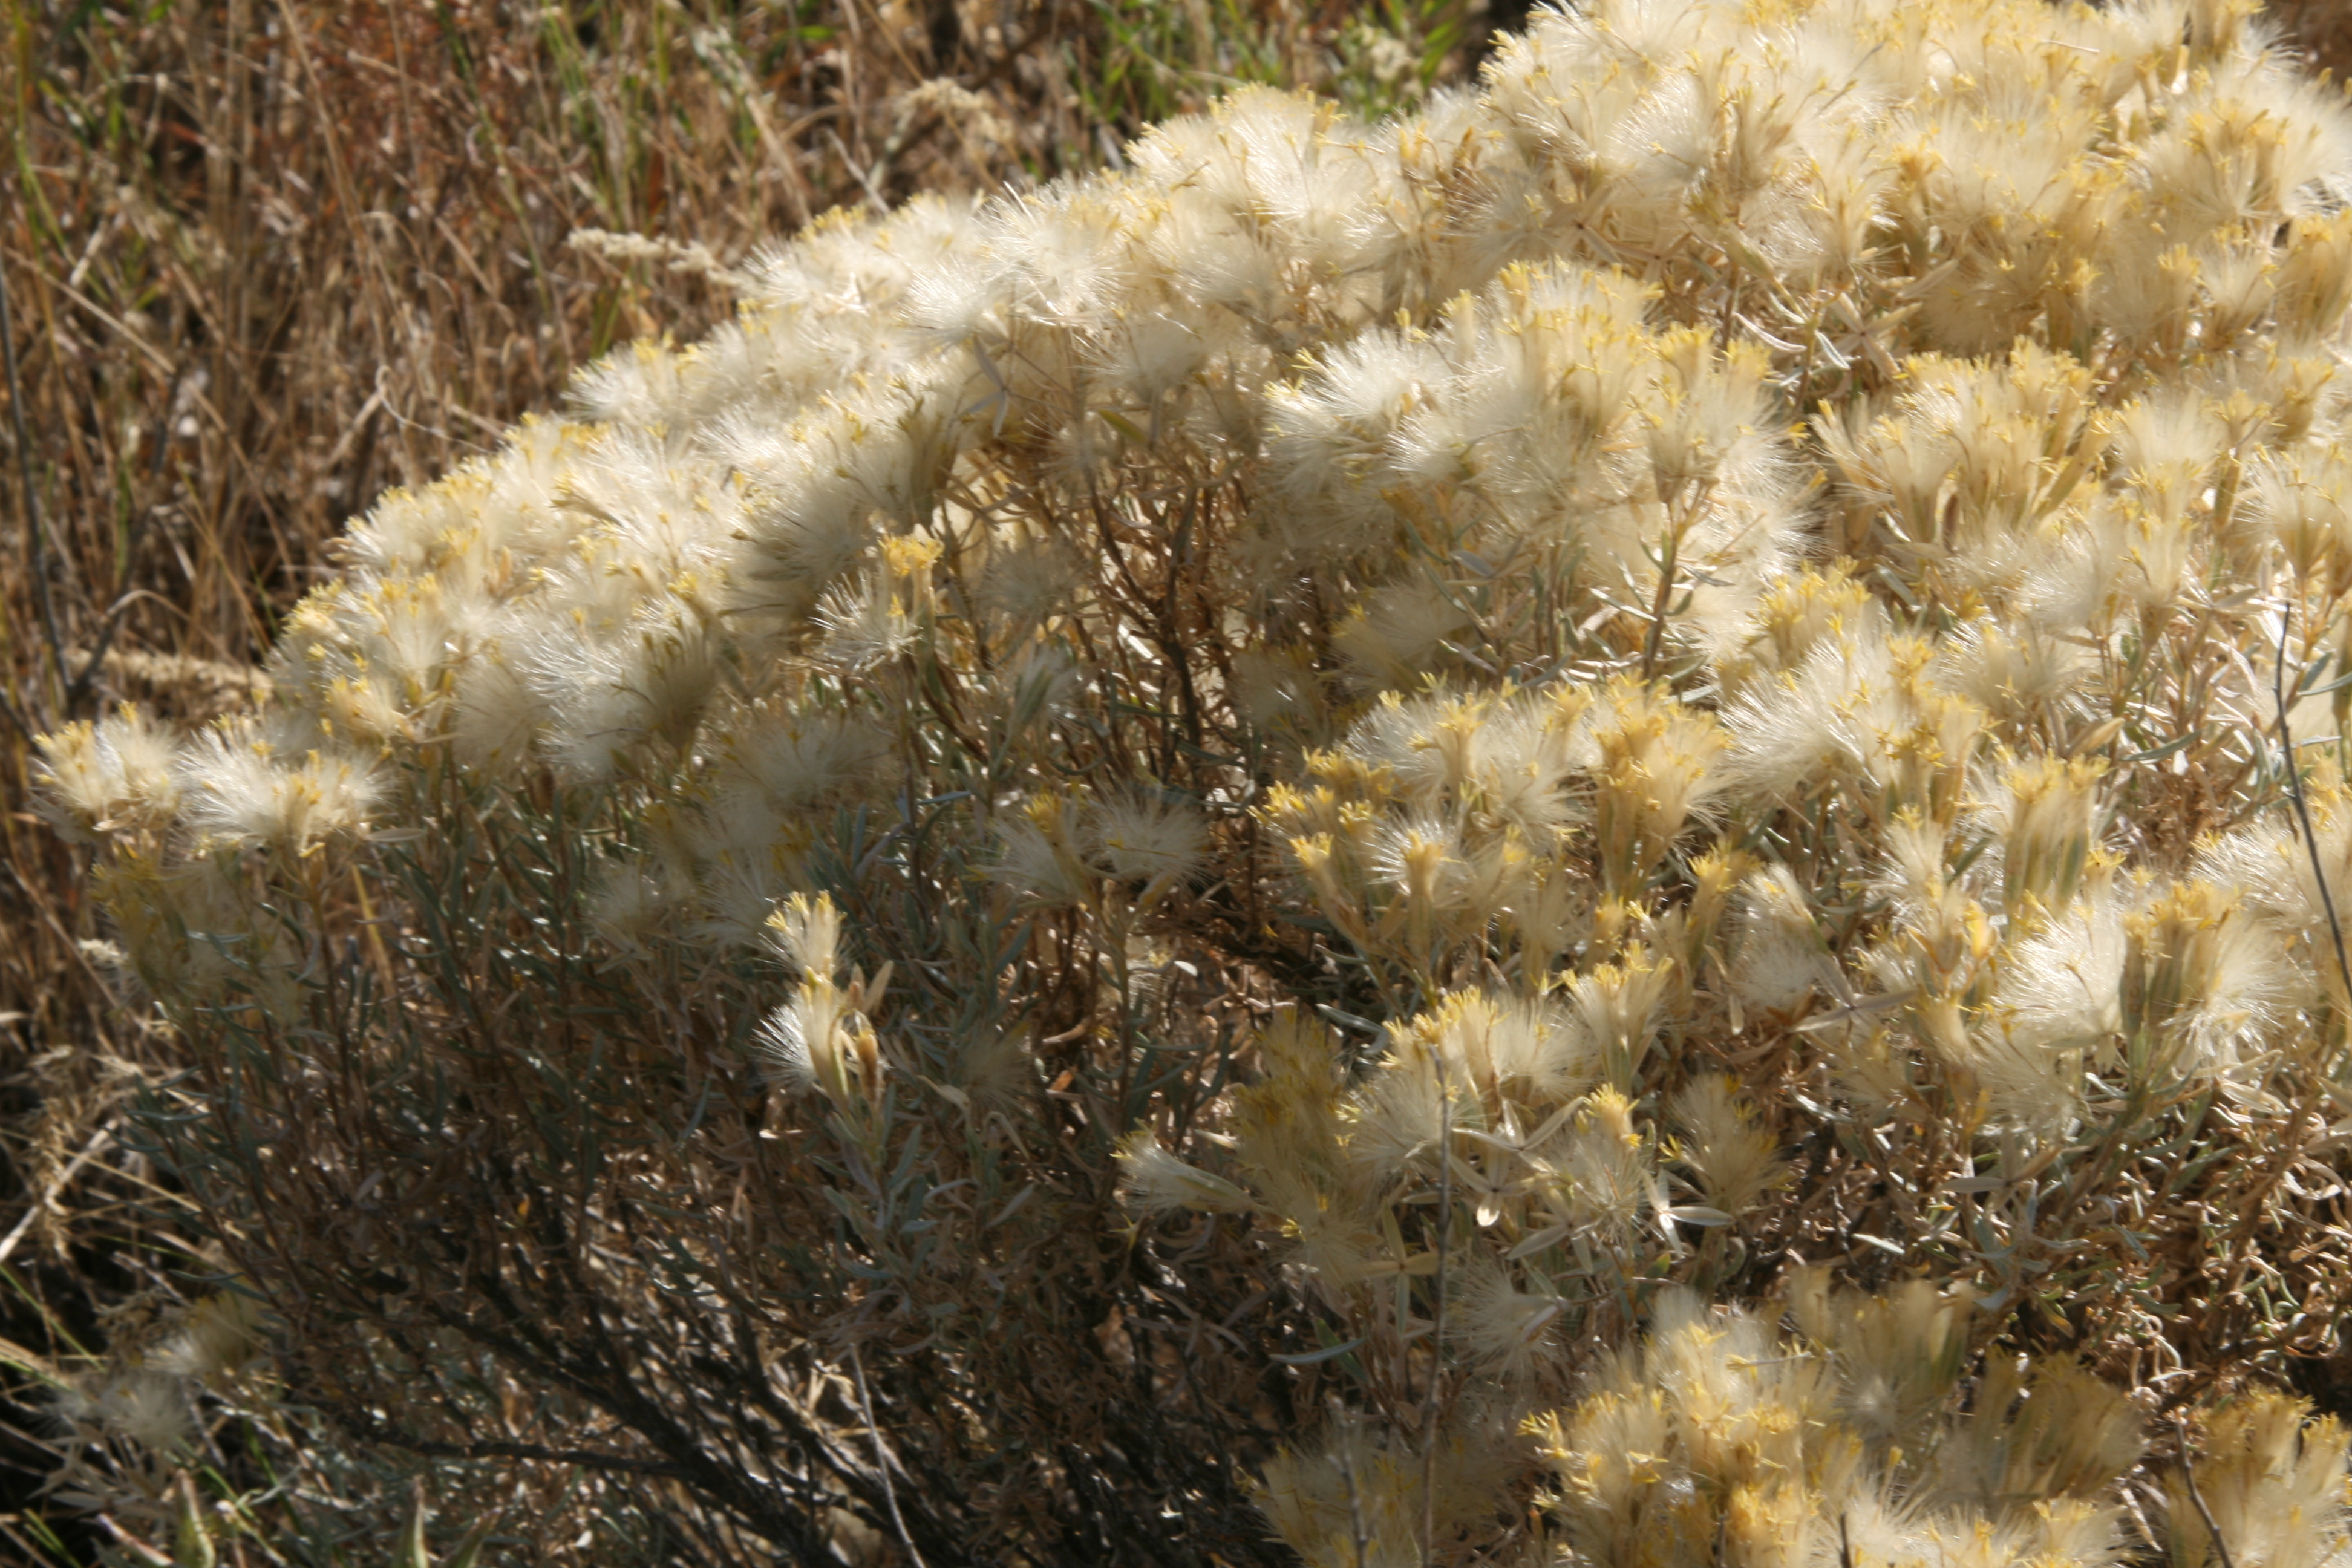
x: 264, y: 260
x: 2322, y: 29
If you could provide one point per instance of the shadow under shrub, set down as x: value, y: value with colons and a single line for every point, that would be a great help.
x: 529, y: 1202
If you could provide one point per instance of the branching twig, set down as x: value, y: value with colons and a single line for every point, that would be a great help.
x: 882, y: 1460
x: 1437, y: 1313
x: 2302, y: 807
x: 2197, y: 1496
x: 1361, y: 1536
x: 79, y: 688
x: 2290, y: 1149
x: 90, y: 1150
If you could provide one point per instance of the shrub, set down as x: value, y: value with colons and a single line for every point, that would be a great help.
x: 1604, y: 821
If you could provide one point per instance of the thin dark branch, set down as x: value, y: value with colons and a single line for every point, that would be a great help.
x: 35, y: 531
x: 2302, y: 807
x: 161, y: 446
x: 1437, y: 1313
x: 1358, y: 1533
x: 2197, y: 1496
x: 882, y: 1459
x: 379, y: 1432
